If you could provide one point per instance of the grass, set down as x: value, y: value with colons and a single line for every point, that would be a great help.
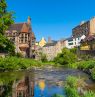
x: 15, y: 63
x: 87, y: 66
x: 72, y: 85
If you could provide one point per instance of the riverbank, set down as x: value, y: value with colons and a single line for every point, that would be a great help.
x: 15, y: 63
x: 88, y: 66
x: 76, y: 87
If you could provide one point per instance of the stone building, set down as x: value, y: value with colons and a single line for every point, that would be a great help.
x: 86, y: 33
x: 85, y: 28
x: 52, y: 48
x: 22, y: 36
x: 23, y: 87
x: 80, y: 32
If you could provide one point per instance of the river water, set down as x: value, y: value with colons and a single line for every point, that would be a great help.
x: 38, y: 83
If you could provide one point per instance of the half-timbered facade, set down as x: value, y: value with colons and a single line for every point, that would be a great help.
x: 22, y: 36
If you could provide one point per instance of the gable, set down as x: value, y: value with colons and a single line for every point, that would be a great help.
x: 25, y: 28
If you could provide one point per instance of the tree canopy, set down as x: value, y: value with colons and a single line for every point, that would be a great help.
x: 6, y: 19
x: 66, y: 57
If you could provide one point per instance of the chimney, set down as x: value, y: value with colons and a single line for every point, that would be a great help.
x: 49, y: 40
x: 29, y: 20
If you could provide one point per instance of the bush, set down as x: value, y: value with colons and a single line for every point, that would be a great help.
x: 72, y: 81
x: 14, y: 63
x: 66, y: 57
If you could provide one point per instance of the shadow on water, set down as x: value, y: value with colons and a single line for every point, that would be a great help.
x: 39, y: 83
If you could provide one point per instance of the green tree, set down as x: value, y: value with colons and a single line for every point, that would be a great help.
x: 6, y: 19
x: 74, y: 50
x: 66, y: 57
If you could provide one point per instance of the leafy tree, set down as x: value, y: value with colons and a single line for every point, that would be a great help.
x: 74, y: 50
x: 6, y: 19
x: 66, y: 57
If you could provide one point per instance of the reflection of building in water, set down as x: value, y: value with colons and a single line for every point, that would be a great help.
x: 42, y: 84
x: 23, y: 88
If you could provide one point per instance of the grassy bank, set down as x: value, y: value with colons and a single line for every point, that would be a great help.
x: 14, y: 63
x: 87, y: 66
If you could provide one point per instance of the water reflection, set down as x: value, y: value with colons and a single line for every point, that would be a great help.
x: 16, y: 85
x: 23, y: 87
x: 43, y: 83
x: 25, y: 84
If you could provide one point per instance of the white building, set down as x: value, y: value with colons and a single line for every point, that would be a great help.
x: 73, y: 42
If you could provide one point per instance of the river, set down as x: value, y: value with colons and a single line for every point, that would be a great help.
x: 38, y: 83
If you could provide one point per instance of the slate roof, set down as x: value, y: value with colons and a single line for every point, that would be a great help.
x: 17, y: 27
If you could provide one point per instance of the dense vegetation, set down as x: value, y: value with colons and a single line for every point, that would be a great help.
x: 6, y: 19
x: 66, y: 57
x: 87, y: 66
x: 15, y: 63
x: 70, y: 59
x: 75, y: 88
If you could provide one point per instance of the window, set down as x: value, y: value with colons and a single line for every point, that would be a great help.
x: 70, y: 40
x: 78, y: 38
x: 70, y: 43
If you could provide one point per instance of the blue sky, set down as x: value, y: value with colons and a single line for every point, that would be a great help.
x: 54, y: 18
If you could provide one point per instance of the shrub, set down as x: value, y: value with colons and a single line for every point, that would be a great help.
x: 72, y: 81
x: 66, y: 57
x: 14, y: 63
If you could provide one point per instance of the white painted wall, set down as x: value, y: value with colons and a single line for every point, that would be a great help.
x: 74, y: 43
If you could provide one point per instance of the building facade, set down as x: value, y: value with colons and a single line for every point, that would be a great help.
x: 72, y: 42
x: 51, y: 49
x: 80, y: 32
x: 85, y: 28
x: 42, y: 42
x: 22, y: 36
